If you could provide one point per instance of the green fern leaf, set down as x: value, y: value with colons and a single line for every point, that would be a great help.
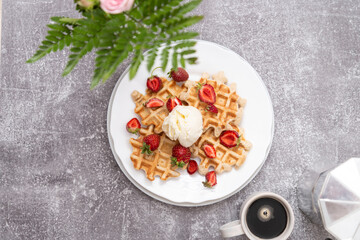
x: 187, y: 52
x: 74, y: 58
x: 164, y: 58
x: 183, y: 36
x: 175, y: 59
x: 53, y: 40
x: 185, y: 44
x: 151, y: 58
x: 136, y: 63
x: 116, y: 61
x: 187, y: 7
x: 183, y: 23
x: 182, y: 61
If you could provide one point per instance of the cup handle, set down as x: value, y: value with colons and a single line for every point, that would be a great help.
x: 231, y: 229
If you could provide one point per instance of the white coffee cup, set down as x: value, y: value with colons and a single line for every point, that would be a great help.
x: 240, y: 227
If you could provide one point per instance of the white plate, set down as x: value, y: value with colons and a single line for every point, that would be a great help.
x: 258, y: 122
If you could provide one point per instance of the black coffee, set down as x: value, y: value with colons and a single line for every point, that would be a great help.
x: 266, y: 218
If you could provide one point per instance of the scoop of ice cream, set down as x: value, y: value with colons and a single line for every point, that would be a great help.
x: 184, y: 123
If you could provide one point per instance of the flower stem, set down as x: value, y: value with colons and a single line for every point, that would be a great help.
x: 135, y: 20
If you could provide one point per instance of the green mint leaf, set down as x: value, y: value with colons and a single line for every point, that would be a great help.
x: 173, y: 161
x: 180, y: 164
x: 146, y: 149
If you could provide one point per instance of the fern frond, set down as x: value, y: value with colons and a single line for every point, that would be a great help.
x: 59, y: 36
x: 151, y: 58
x: 139, y: 56
x: 164, y: 58
x: 85, y: 37
x: 147, y: 26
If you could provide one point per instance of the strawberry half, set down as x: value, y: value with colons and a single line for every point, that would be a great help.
x: 180, y: 155
x: 154, y: 83
x: 209, y: 150
x: 211, y: 108
x: 230, y: 138
x: 210, y: 179
x: 179, y: 74
x: 154, y: 103
x: 150, y: 144
x: 207, y: 93
x: 133, y: 126
x: 192, y: 167
x: 172, y: 103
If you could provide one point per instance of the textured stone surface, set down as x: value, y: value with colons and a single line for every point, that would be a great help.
x: 58, y: 178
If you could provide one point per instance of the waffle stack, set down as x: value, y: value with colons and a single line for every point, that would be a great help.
x: 230, y: 107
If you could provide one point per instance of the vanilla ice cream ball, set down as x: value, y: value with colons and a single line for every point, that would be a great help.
x: 184, y: 123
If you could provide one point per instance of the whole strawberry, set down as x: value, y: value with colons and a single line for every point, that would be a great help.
x: 179, y: 74
x: 150, y: 144
x: 180, y: 155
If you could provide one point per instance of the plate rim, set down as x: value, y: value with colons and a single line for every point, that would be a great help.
x: 187, y: 204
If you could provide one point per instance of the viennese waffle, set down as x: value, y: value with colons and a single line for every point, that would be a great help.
x: 156, y: 116
x: 226, y: 158
x: 157, y: 164
x: 230, y: 107
x: 229, y: 104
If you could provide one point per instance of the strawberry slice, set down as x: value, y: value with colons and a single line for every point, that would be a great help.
x: 179, y: 74
x: 172, y: 103
x: 150, y: 144
x: 209, y: 150
x: 192, y: 167
x: 210, y: 179
x: 154, y: 83
x: 230, y: 138
x: 133, y: 126
x: 180, y: 155
x: 154, y: 103
x: 207, y: 93
x: 211, y: 108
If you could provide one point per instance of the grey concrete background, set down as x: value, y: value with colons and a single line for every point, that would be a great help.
x: 58, y: 178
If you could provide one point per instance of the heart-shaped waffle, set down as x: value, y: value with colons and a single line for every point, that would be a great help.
x: 159, y: 162
x: 229, y: 104
x: 155, y: 116
x: 226, y: 158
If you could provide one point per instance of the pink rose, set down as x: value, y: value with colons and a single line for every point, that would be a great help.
x: 116, y: 6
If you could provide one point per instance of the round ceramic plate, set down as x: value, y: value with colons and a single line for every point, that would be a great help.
x: 258, y: 122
